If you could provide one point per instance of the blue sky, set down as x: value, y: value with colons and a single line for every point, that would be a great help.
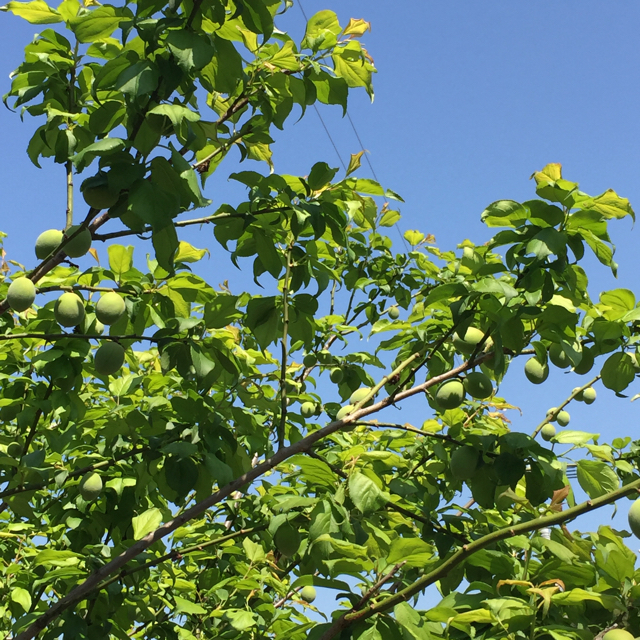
x: 470, y: 100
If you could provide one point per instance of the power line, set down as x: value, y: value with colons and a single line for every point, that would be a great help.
x: 344, y: 166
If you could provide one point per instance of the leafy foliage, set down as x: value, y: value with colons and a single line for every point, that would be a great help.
x: 219, y: 480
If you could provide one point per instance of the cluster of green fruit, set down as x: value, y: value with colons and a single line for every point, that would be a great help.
x: 548, y: 431
x: 537, y: 372
x: 451, y: 394
x: 466, y: 341
x: 69, y: 312
x: 358, y: 396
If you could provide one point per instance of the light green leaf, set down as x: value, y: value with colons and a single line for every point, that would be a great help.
x: 413, y: 551
x: 22, y: 597
x: 185, y: 606
x: 35, y: 12
x: 120, y: 259
x: 188, y: 253
x: 53, y: 558
x: 578, y: 596
x: 240, y: 619
x: 618, y: 371
x: 99, y: 23
x: 176, y: 113
x: 596, y: 478
x: 351, y: 64
x: 254, y: 551
x: 365, y: 494
x: 146, y: 522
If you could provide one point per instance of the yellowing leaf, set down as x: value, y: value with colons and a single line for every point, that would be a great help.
x: 354, y: 162
x: 35, y: 12
x: 357, y: 27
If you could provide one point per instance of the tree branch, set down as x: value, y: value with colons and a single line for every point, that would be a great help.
x: 467, y: 550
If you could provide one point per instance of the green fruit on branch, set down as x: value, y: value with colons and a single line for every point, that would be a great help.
x: 90, y: 486
x: 634, y: 518
x: 464, y: 462
x: 110, y: 308
x: 536, y: 371
x: 394, y: 313
x: 47, y: 242
x: 21, y: 294
x: 478, y: 385
x: 359, y: 395
x: 465, y: 342
x: 552, y: 414
x: 618, y: 634
x: 307, y: 409
x: 287, y: 540
x: 586, y: 363
x: 14, y: 450
x: 563, y: 418
x: 450, y: 394
x: 345, y: 411
x: 548, y: 432
x: 589, y: 395
x: 309, y: 360
x: 336, y: 375
x: 579, y: 397
x: 80, y: 244
x: 308, y: 594
x: 69, y: 310
x: 109, y: 358
x: 558, y: 357
x: 96, y: 192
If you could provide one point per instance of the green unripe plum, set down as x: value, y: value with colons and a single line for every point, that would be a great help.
x: 96, y: 192
x: 90, y: 486
x: 308, y: 594
x: 558, y: 357
x: 345, y: 411
x: 336, y: 375
x: 287, y: 540
x: 109, y: 358
x: 394, y: 313
x: 110, y: 308
x: 465, y: 342
x: 307, y: 409
x: 47, y: 242
x: 21, y: 294
x: 536, y: 371
x: 359, y: 395
x: 464, y: 462
x: 478, y: 385
x: 69, y: 310
x: 450, y: 394
x: 563, y: 418
x: 309, y: 360
x: 548, y: 432
x: 579, y: 397
x: 80, y: 244
x: 618, y: 634
x: 586, y: 363
x: 551, y: 414
x: 634, y: 518
x: 15, y: 450
x: 589, y: 395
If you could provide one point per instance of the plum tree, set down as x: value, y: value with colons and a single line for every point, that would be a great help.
x: 183, y: 491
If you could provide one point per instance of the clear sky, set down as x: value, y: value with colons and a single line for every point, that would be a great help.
x: 470, y: 99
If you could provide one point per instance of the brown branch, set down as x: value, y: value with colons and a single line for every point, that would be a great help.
x: 83, y: 336
x: 82, y: 590
x: 36, y: 419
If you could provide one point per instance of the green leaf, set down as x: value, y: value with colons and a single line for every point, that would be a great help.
x: 176, y: 113
x: 240, y: 619
x: 254, y: 551
x: 104, y: 147
x: 22, y: 597
x: 192, y: 51
x: 596, y: 478
x: 413, y: 551
x: 120, y: 259
x: 187, y: 607
x: 146, y: 522
x: 618, y: 371
x: 35, y: 12
x: 165, y: 243
x: 504, y: 213
x: 262, y: 320
x: 610, y: 205
x: 138, y: 79
x: 365, y: 493
x: 99, y: 23
x: 53, y: 558
x: 181, y: 474
x: 322, y: 30
x: 320, y: 176
x: 188, y: 253
x: 578, y: 596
